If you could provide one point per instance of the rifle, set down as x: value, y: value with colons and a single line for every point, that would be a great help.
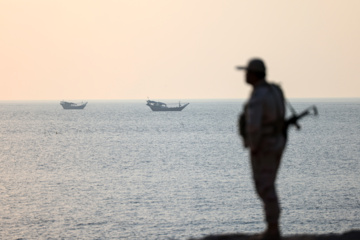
x: 293, y: 119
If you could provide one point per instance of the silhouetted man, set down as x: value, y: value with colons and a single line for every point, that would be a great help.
x: 262, y: 131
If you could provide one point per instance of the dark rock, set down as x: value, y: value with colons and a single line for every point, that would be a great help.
x: 350, y: 235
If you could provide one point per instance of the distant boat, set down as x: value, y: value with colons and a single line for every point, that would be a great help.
x: 160, y: 106
x: 71, y: 105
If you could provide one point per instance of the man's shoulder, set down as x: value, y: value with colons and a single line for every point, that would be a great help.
x: 258, y: 96
x: 275, y: 85
x: 261, y: 90
x: 277, y: 88
x: 264, y: 91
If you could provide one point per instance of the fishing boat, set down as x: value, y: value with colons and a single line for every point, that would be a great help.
x: 160, y: 106
x: 71, y: 105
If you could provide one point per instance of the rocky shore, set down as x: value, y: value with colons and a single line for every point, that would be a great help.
x: 350, y: 235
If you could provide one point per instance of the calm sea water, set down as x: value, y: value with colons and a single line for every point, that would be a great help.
x: 116, y: 170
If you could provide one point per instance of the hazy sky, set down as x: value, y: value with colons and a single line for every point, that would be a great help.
x: 176, y: 49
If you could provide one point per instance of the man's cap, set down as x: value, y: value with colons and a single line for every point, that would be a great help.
x: 254, y: 65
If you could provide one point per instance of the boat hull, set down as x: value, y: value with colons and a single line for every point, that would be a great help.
x: 162, y: 107
x: 167, y: 109
x: 68, y: 105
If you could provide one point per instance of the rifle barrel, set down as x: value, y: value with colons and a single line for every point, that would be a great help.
x: 303, y: 114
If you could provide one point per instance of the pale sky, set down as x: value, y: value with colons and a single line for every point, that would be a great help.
x: 176, y: 49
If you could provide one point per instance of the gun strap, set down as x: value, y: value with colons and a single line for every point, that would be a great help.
x: 279, y: 101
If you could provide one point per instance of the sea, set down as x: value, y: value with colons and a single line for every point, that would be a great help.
x: 117, y: 170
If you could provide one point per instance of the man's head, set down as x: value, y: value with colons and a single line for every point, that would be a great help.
x: 255, y: 70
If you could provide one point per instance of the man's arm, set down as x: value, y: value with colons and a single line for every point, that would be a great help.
x: 253, y: 122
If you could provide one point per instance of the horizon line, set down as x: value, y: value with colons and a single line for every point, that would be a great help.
x: 196, y: 99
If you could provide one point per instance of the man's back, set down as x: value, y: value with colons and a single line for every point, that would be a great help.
x: 265, y: 117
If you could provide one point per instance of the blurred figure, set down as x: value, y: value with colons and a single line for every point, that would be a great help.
x: 261, y: 126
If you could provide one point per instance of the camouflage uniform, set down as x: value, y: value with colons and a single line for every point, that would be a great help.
x: 264, y: 116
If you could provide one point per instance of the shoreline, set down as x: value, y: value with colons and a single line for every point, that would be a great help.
x: 348, y: 235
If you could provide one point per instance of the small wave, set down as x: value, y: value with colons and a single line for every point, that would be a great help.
x: 90, y: 224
